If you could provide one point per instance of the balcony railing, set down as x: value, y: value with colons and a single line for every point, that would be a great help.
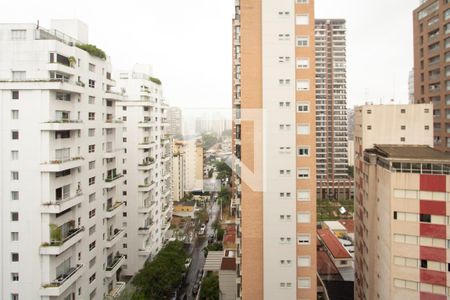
x: 114, y: 206
x: 114, y: 263
x: 63, y: 278
x: 113, y: 177
x: 59, y: 242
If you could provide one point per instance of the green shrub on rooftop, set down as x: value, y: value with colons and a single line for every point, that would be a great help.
x: 155, y: 80
x: 92, y: 50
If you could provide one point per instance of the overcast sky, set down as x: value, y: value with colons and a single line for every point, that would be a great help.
x: 189, y: 42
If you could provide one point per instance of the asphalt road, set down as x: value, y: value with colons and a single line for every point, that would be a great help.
x: 198, y: 257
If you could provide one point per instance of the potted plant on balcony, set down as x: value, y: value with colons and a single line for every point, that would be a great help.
x: 55, y: 233
x: 72, y: 61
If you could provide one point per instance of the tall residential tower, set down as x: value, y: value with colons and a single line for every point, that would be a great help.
x: 61, y: 159
x: 431, y: 64
x: 333, y: 181
x: 274, y: 141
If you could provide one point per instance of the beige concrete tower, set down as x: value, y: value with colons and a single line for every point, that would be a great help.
x: 274, y: 144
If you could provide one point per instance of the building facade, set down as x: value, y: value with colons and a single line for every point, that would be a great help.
x: 408, y: 125
x: 189, y: 165
x: 148, y: 192
x: 62, y: 157
x: 178, y: 170
x: 406, y: 190
x: 175, y: 118
x: 333, y: 182
x: 274, y: 181
x: 431, y: 70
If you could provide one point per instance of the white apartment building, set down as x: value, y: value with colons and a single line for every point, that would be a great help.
x: 193, y: 151
x: 61, y: 152
x: 148, y: 166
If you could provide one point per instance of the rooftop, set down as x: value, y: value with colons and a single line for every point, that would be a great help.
x: 349, y: 225
x: 333, y: 245
x: 228, y: 263
x: 412, y: 152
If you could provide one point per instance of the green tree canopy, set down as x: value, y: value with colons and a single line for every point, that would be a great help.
x: 210, y: 287
x: 157, y: 279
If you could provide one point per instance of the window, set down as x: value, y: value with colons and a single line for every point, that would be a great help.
x: 14, y: 114
x: 402, y: 139
x: 15, y: 95
x: 14, y: 257
x: 369, y: 127
x: 302, y: 19
x: 91, y: 116
x: 91, y: 67
x: 427, y: 127
x: 63, y: 173
x: 303, y: 107
x: 303, y: 85
x: 303, y: 195
x: 15, y: 134
x: 403, y: 111
x: 92, y: 213
x: 14, y: 236
x: 62, y: 193
x: 14, y: 155
x: 91, y: 132
x: 93, y: 293
x: 91, y: 246
x: 303, y: 173
x: 304, y: 261
x: 304, y: 282
x: 303, y: 151
x: 91, y: 100
x: 403, y: 127
x: 303, y: 63
x: 303, y: 129
x: 19, y: 75
x: 302, y: 41
x: 92, y: 230
x: 426, y: 218
x: 92, y: 278
x: 304, y: 239
x: 14, y: 276
x: 91, y: 83
x: 92, y: 262
x: 91, y: 148
x: 92, y: 197
x: 302, y: 1
x: 14, y: 296
x: 14, y: 195
x: 14, y: 175
x: 92, y: 165
x: 92, y: 180
x: 304, y: 217
x: 18, y: 34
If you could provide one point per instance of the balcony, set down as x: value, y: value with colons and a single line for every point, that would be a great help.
x: 60, y: 284
x: 59, y: 245
x: 113, y: 123
x: 111, y: 181
x: 59, y: 206
x: 145, y: 124
x: 61, y: 165
x: 110, y: 95
x: 62, y: 125
x: 112, y: 153
x: 145, y: 230
x: 146, y: 187
x: 146, y: 145
x: 147, y: 251
x: 112, y: 268
x: 117, y: 236
x: 116, y: 291
x: 113, y: 210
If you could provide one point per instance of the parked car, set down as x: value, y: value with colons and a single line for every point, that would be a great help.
x: 195, y: 289
x: 187, y: 262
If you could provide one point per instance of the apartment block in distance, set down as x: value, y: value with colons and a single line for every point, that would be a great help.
x: 274, y: 137
x: 333, y: 182
x: 148, y: 192
x: 175, y: 117
x: 61, y: 154
x: 431, y: 64
x: 394, y: 164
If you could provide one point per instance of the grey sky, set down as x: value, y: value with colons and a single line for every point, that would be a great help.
x: 189, y: 42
